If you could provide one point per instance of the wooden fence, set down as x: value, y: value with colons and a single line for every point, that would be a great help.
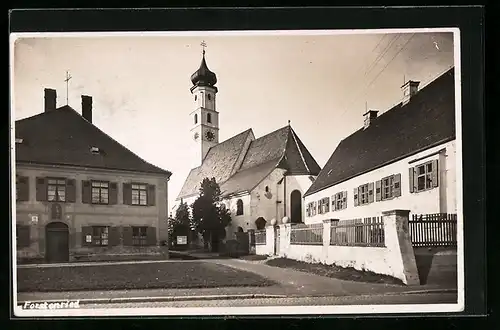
x: 433, y: 230
x: 260, y: 237
x: 358, y: 232
x: 307, y: 234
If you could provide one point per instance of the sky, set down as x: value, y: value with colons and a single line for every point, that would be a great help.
x: 140, y: 84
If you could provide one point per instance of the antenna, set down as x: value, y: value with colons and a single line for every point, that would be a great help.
x: 68, y: 77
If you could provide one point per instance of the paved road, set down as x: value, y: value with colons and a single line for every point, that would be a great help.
x: 416, y: 298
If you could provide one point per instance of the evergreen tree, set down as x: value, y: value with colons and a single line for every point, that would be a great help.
x: 209, y: 215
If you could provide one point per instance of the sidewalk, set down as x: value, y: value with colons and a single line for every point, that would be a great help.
x: 291, y: 283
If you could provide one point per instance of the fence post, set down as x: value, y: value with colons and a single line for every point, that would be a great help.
x: 251, y: 241
x: 270, y: 240
x: 327, y: 225
x: 285, y: 233
x: 397, y: 240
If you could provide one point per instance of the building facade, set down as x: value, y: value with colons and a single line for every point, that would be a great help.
x: 403, y: 159
x: 261, y: 179
x: 82, y: 195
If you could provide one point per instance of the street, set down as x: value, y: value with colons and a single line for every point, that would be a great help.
x: 414, y: 298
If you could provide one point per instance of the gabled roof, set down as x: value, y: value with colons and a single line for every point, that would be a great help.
x: 427, y: 120
x: 281, y: 148
x: 63, y: 137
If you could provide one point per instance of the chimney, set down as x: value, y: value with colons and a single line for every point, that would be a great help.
x: 50, y: 99
x: 87, y: 107
x: 370, y: 116
x: 410, y: 88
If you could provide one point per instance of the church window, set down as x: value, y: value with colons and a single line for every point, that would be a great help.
x: 267, y: 189
x: 209, y: 97
x: 196, y: 97
x: 196, y: 118
x: 209, y: 118
x: 239, y: 207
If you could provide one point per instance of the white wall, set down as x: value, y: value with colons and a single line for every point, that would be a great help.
x: 296, y: 182
x: 244, y: 221
x: 441, y: 199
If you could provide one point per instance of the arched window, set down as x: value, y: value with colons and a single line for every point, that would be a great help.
x: 209, y: 118
x: 195, y: 97
x: 239, y: 207
x: 209, y: 97
x: 267, y: 189
x: 196, y: 118
x: 240, y: 230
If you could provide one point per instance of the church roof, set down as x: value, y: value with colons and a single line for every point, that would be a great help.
x: 203, y: 76
x: 281, y: 148
x: 427, y: 120
x: 63, y: 137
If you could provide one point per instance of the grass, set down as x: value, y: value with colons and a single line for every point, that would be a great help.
x: 333, y: 271
x: 171, y: 275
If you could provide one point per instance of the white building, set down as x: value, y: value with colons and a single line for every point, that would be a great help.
x: 259, y: 178
x: 403, y: 159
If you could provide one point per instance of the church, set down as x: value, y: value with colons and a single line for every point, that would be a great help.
x: 261, y: 179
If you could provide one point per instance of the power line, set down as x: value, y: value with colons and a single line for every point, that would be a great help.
x: 383, y: 69
x: 373, y: 64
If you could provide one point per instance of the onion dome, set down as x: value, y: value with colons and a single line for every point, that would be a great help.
x: 203, y: 76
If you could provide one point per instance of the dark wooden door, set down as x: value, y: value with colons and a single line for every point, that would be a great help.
x: 296, y: 207
x: 57, y: 242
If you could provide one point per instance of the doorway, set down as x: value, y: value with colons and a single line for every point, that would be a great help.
x: 296, y: 207
x: 56, y: 242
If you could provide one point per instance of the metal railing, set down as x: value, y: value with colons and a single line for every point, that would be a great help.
x: 260, y: 237
x: 307, y: 234
x: 358, y: 232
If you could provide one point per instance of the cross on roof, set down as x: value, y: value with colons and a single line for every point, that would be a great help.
x: 203, y: 45
x: 68, y: 77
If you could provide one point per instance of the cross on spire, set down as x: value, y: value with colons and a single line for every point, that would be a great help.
x: 203, y: 45
x: 68, y: 77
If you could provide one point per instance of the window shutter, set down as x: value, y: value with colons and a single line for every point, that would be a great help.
x: 435, y: 172
x: 327, y: 204
x: 86, y: 231
x: 86, y: 192
x: 344, y: 199
x: 370, y: 192
x: 356, y: 199
x: 412, y: 178
x: 127, y: 194
x: 334, y: 201
x: 397, y: 185
x: 320, y: 207
x: 114, y: 236
x: 127, y: 236
x: 23, y: 189
x: 314, y: 208
x: 71, y: 190
x: 151, y: 195
x: 113, y: 193
x: 378, y: 190
x: 151, y: 236
x: 41, y: 189
x: 23, y: 236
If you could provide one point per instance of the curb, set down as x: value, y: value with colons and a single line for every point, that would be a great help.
x: 158, y: 299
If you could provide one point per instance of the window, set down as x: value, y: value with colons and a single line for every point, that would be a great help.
x: 339, y: 201
x: 389, y: 187
x: 22, y: 188
x: 56, y: 190
x: 196, y: 118
x: 209, y: 97
x: 239, y: 207
x: 139, y: 194
x: 100, y: 192
x: 100, y: 235
x: 267, y: 189
x: 139, y: 235
x: 324, y: 205
x: 195, y: 97
x: 311, y: 209
x: 424, y: 176
x: 363, y: 194
x: 209, y: 118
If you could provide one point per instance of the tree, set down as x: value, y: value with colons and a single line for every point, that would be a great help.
x: 209, y: 215
x: 180, y: 224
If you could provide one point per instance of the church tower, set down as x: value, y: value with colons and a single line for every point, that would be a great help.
x: 204, y: 117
